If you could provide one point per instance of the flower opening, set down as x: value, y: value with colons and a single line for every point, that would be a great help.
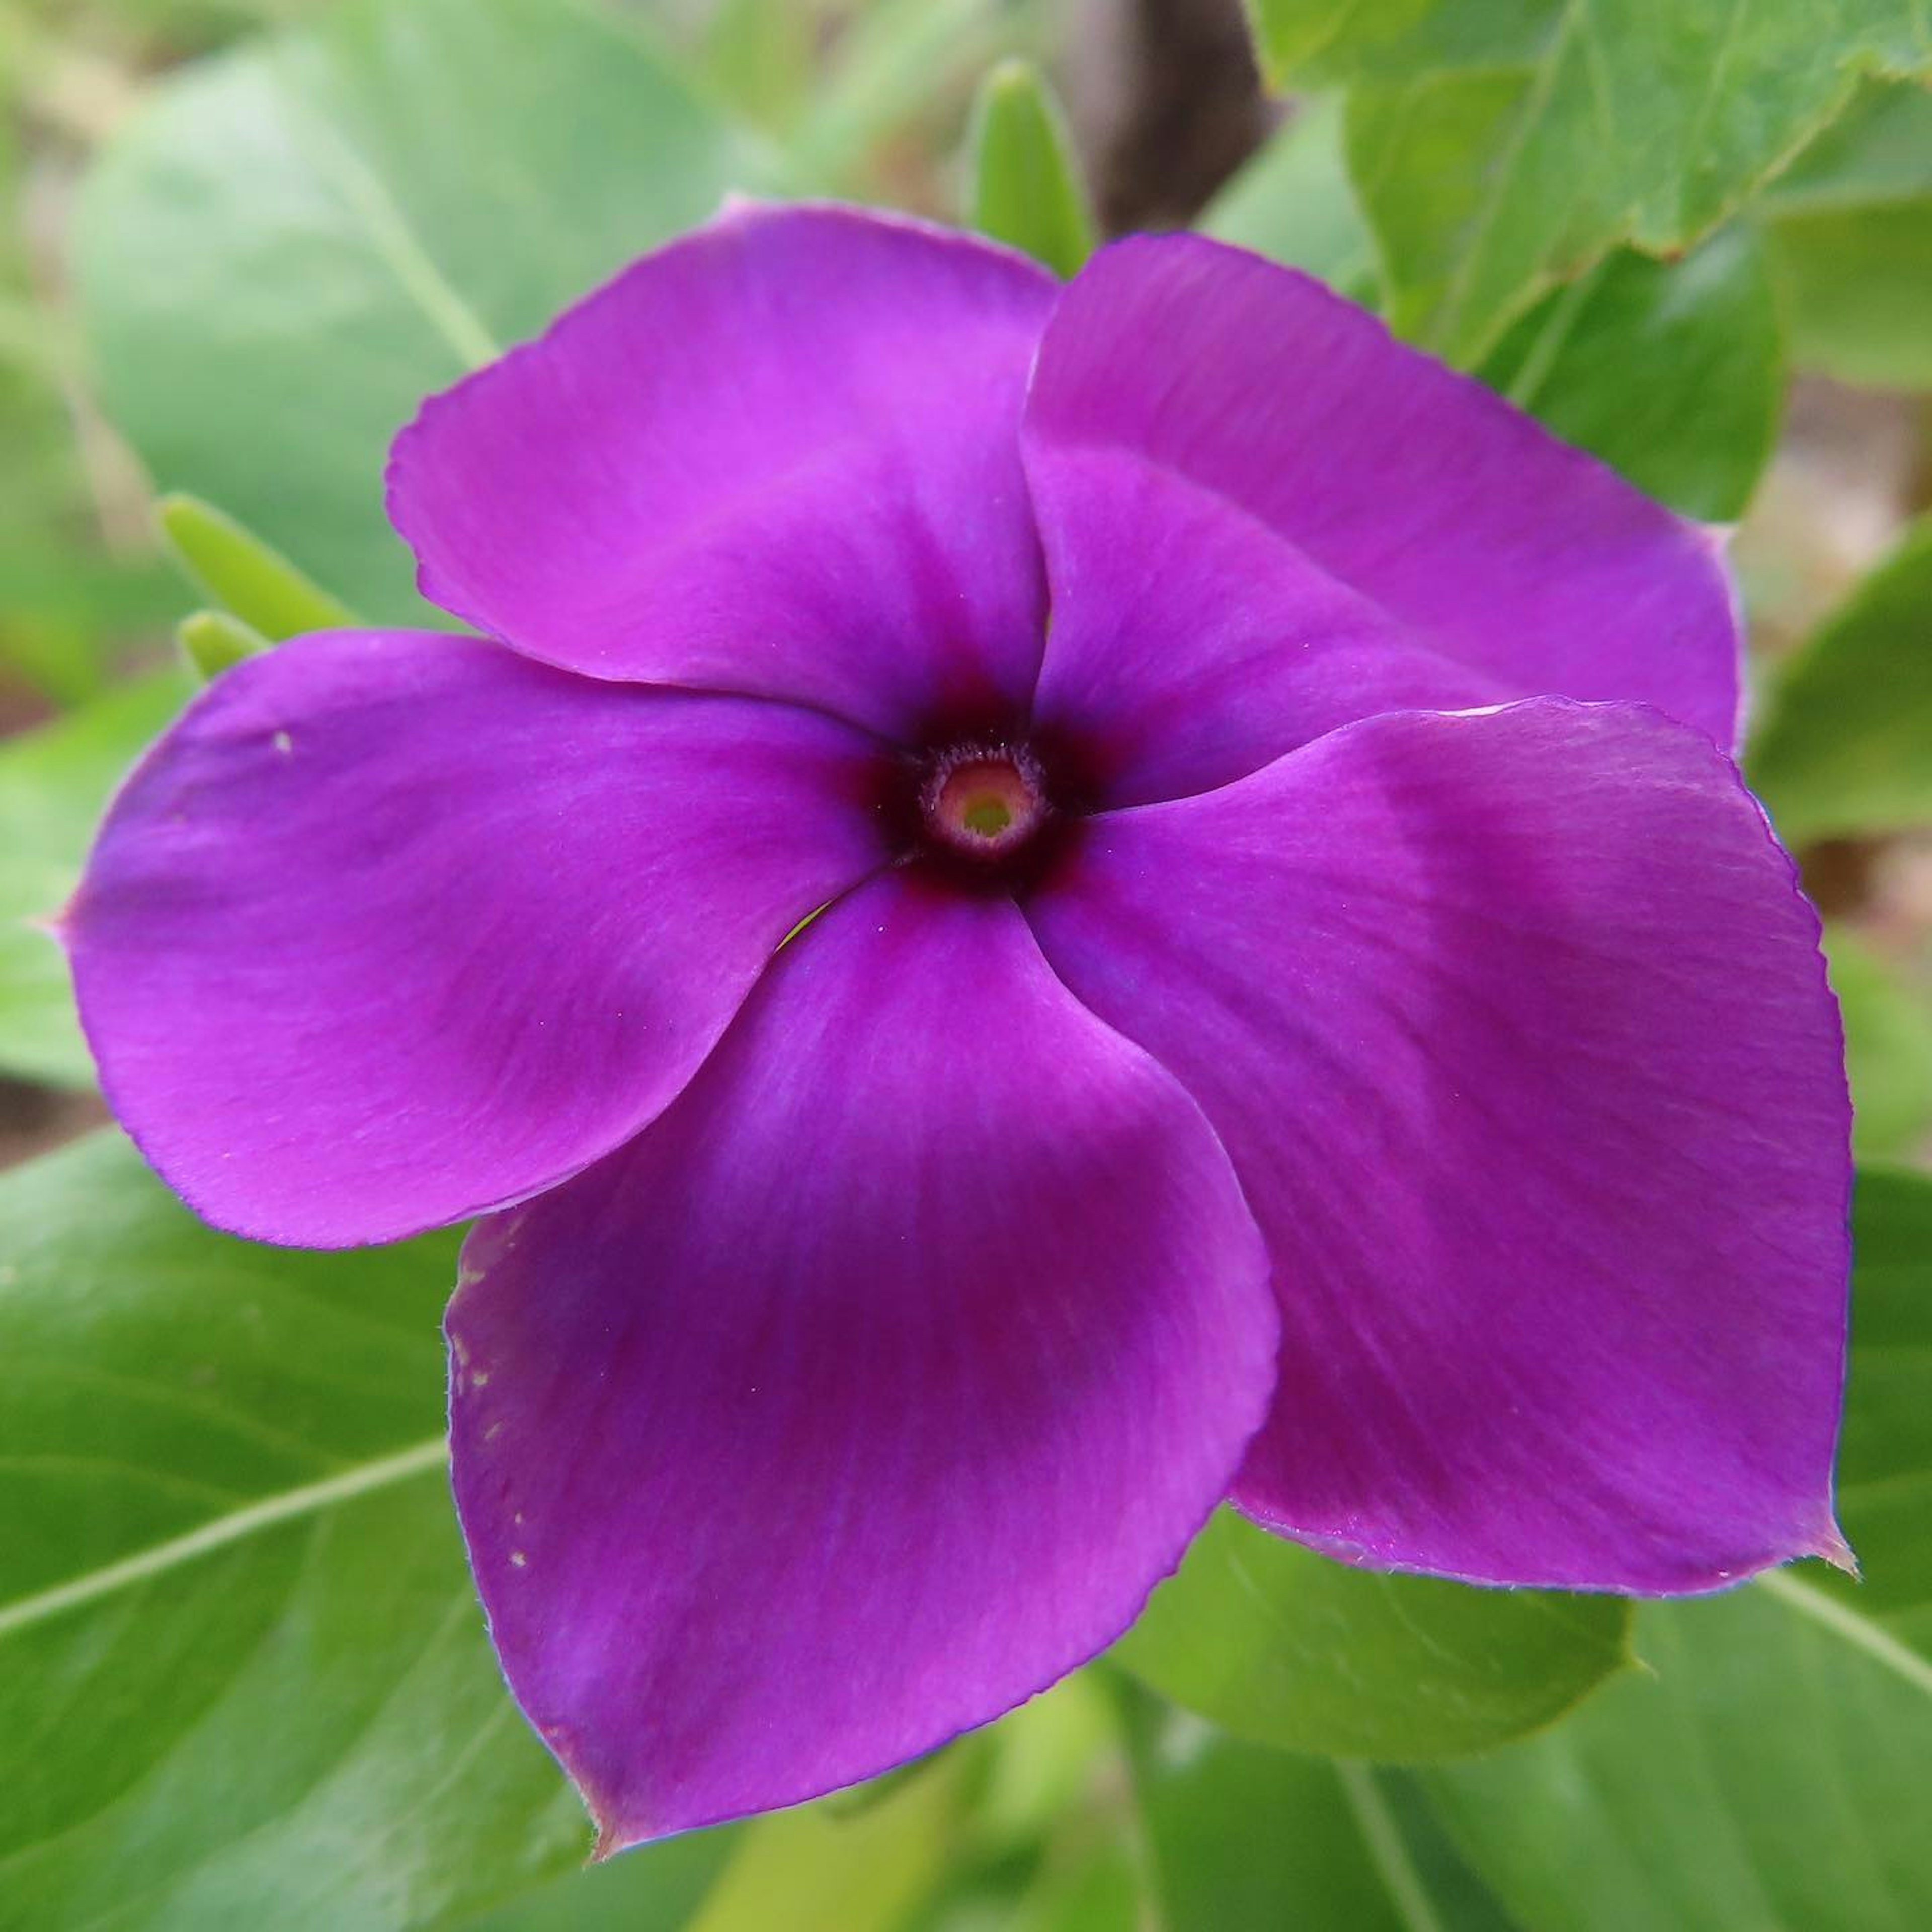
x: 983, y: 802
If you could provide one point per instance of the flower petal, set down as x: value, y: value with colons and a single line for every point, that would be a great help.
x: 1459, y: 515
x: 779, y: 456
x: 392, y: 927
x: 1515, y: 1025
x: 1191, y: 644
x: 867, y: 1392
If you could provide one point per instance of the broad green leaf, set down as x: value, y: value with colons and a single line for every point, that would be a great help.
x: 1294, y: 201
x: 1025, y: 187
x: 813, y: 1869
x: 1844, y: 741
x: 1768, y: 1773
x: 213, y: 642
x: 1241, y: 1836
x: 1045, y: 1844
x: 1671, y: 372
x: 243, y: 1674
x: 297, y: 242
x: 54, y: 781
x: 1848, y: 228
x: 1501, y: 146
x: 1039, y: 1758
x: 1281, y: 1646
x: 659, y: 1889
x: 1885, y: 1461
x: 1304, y: 39
x: 266, y: 592
x: 830, y: 1867
x: 1887, y: 1005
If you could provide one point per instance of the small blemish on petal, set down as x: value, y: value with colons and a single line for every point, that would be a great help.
x: 490, y: 1434
x: 518, y: 1559
x: 481, y: 1379
x: 284, y: 744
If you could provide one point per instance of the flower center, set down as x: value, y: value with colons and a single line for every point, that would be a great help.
x: 983, y: 801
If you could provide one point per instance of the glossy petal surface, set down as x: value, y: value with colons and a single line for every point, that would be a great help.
x: 1515, y: 1025
x: 1464, y: 521
x: 779, y: 456
x: 864, y: 1393
x: 392, y: 927
x: 1191, y: 644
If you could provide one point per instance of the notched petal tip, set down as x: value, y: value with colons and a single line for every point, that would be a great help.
x: 57, y: 925
x: 1835, y: 1548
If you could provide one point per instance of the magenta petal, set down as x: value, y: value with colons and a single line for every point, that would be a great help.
x: 1459, y: 515
x: 867, y: 1391
x: 392, y: 927
x: 1515, y: 1025
x: 779, y: 456
x: 1191, y: 644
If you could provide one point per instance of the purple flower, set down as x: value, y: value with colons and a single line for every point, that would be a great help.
x: 1302, y: 1010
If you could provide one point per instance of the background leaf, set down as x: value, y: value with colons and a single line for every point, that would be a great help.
x: 1305, y: 39
x: 1672, y: 372
x: 1844, y: 743
x: 213, y: 642
x: 54, y: 783
x: 295, y: 242
x: 1278, y: 1644
x: 241, y: 1660
x: 1244, y: 1837
x: 1887, y: 1005
x: 263, y: 591
x: 1026, y: 188
x: 1849, y: 229
x: 1503, y: 146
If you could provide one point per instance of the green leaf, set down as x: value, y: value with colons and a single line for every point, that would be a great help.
x: 296, y: 242
x: 817, y: 1870
x: 1765, y: 1774
x: 1844, y: 741
x: 1026, y: 188
x: 1849, y: 232
x: 1887, y: 1005
x: 1244, y: 1836
x: 266, y: 592
x: 1294, y: 202
x: 1308, y: 39
x: 1282, y: 1646
x: 1672, y: 372
x: 242, y: 1668
x: 213, y: 642
x: 1501, y: 147
x: 55, y: 782
x: 1884, y: 1459
x: 659, y: 1889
